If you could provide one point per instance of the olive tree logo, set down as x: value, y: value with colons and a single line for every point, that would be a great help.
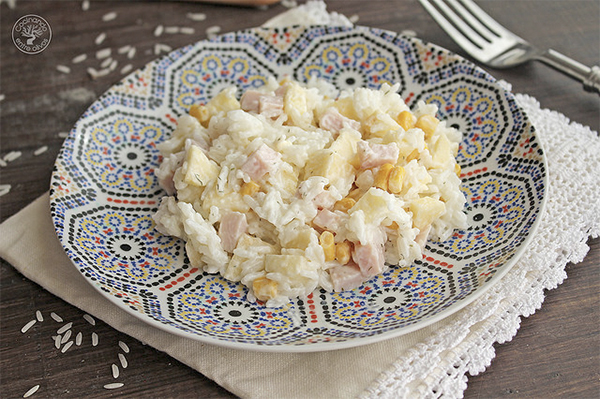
x: 31, y: 34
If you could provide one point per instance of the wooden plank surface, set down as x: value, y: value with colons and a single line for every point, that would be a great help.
x: 556, y: 352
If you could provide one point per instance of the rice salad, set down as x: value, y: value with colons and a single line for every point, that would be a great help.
x: 293, y: 187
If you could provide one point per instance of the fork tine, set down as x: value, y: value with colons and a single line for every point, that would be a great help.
x: 458, y: 36
x: 490, y: 23
x: 472, y: 19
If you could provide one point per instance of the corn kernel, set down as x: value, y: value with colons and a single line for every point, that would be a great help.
x: 382, y: 176
x: 343, y: 252
x: 264, y: 289
x: 396, y: 179
x: 200, y: 112
x: 457, y: 170
x: 428, y: 124
x: 326, y: 240
x: 355, y: 194
x: 250, y: 188
x: 407, y: 120
x: 413, y: 155
x: 344, y: 204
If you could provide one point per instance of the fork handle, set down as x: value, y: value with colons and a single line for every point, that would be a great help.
x: 589, y: 76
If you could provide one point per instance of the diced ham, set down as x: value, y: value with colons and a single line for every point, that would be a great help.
x: 233, y: 226
x: 250, y: 100
x: 260, y: 162
x: 346, y: 277
x: 324, y: 200
x: 372, y: 155
x: 166, y: 171
x: 333, y: 121
x: 268, y: 105
x: 370, y: 257
x: 328, y: 220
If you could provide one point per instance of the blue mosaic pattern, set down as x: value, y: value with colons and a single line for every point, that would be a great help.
x: 103, y: 190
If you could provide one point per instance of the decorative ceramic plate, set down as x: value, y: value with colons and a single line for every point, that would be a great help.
x: 104, y: 191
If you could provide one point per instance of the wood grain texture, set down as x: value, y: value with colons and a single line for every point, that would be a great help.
x: 556, y: 352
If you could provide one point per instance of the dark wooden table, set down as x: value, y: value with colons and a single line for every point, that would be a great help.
x: 556, y: 351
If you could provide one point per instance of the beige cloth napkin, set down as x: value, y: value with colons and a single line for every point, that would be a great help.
x: 427, y: 362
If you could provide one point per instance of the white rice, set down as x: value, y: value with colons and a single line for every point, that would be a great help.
x: 66, y: 337
x: 12, y: 156
x: 78, y: 339
x: 89, y: 319
x: 115, y: 370
x: 56, y: 317
x: 126, y: 69
x: 123, y: 360
x: 197, y: 16
x: 31, y: 391
x: 40, y: 151
x: 320, y: 147
x: 159, y: 30
x: 63, y: 69
x: 79, y: 58
x: 109, y: 16
x: 106, y: 62
x: 114, y: 385
x: 4, y: 189
x: 94, y: 339
x: 65, y: 328
x: 66, y: 346
x: 57, y: 341
x: 124, y: 346
x: 85, y: 5
x: 124, y: 49
x: 39, y: 316
x: 100, y: 38
x: 103, y: 53
x: 27, y: 326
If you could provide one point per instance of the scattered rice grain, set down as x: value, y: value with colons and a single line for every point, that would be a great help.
x: 126, y: 69
x: 11, y: 156
x: 78, y: 338
x: 4, y: 189
x: 3, y: 162
x: 106, y: 62
x: 113, y: 385
x: 66, y: 337
x: 66, y: 347
x: 63, y: 69
x: 124, y: 346
x: 31, y: 391
x: 172, y: 29
x: 196, y: 16
x: 159, y: 48
x: 115, y: 370
x: 38, y: 314
x: 113, y: 65
x: 104, y: 53
x: 27, y: 326
x: 62, y: 135
x: 89, y: 319
x: 159, y: 30
x: 131, y: 53
x: 187, y: 30
x: 79, y: 58
x: 40, y: 151
x: 54, y: 316
x: 123, y: 360
x: 124, y: 49
x: 85, y: 5
x: 109, y: 16
x: 65, y: 328
x: 2, y: 97
x: 94, y: 339
x: 94, y: 74
x: 100, y: 38
x: 57, y: 340
x: 213, y: 29
x: 409, y: 33
x: 289, y: 3
x: 354, y: 18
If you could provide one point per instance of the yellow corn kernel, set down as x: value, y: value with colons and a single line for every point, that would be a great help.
x: 200, y: 112
x: 382, y: 176
x: 427, y: 123
x: 457, y: 170
x: 394, y: 226
x: 264, y: 289
x: 250, y: 188
x: 407, y: 120
x: 355, y: 194
x: 413, y: 155
x: 344, y: 204
x: 396, y: 179
x: 326, y: 241
x: 343, y: 252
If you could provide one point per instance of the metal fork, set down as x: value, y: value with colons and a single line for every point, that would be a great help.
x: 493, y: 45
